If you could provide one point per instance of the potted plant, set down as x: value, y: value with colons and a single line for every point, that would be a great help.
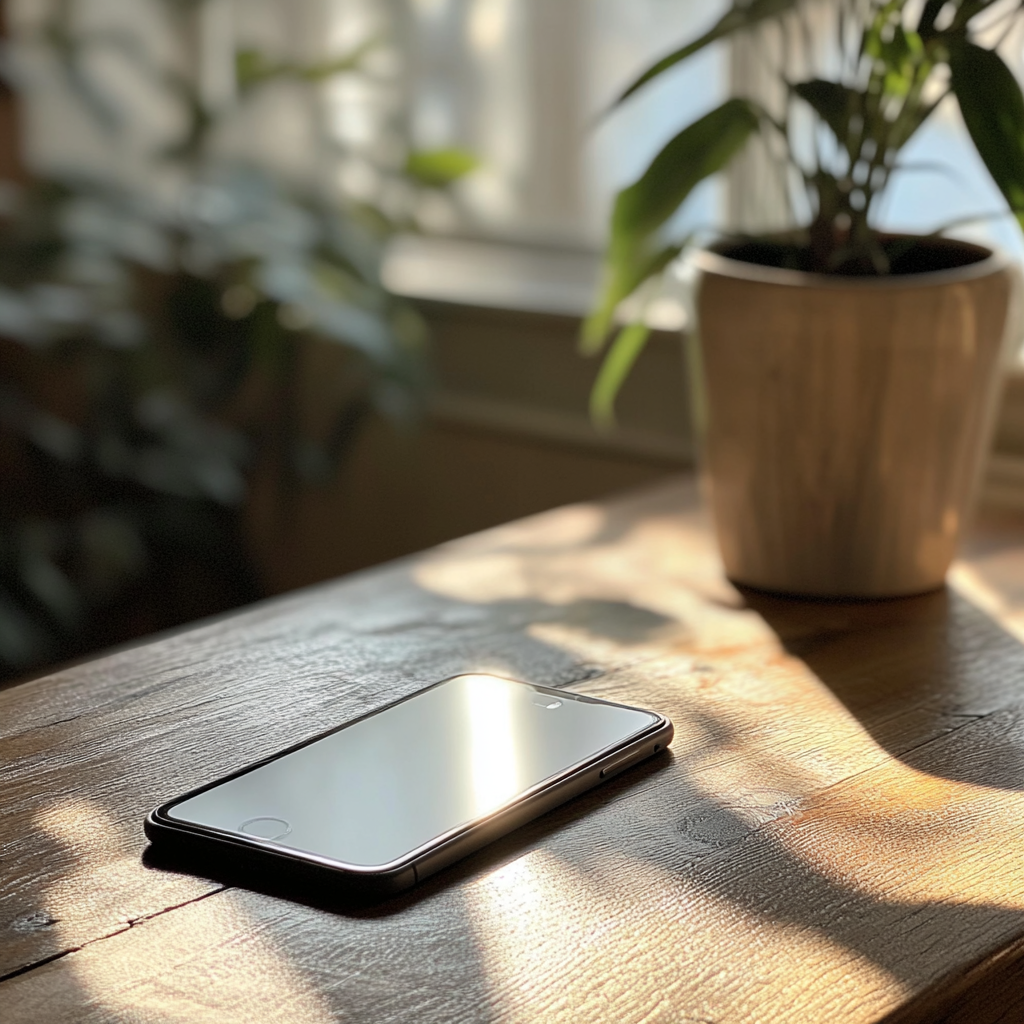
x: 849, y: 375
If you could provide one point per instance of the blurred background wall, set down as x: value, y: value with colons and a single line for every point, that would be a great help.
x: 291, y: 287
x: 288, y: 289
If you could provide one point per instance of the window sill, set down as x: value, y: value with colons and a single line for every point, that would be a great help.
x: 505, y: 320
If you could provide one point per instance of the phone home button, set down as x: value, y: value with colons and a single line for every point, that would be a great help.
x: 265, y: 827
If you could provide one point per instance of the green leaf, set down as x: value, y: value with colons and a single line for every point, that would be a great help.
x: 621, y: 356
x: 835, y: 104
x: 350, y: 61
x: 621, y: 280
x: 993, y: 109
x: 741, y: 15
x: 698, y: 151
x: 439, y: 167
x: 901, y: 56
x: 251, y: 67
x: 254, y: 68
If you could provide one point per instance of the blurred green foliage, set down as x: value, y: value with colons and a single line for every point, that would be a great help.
x: 439, y: 167
x: 151, y: 346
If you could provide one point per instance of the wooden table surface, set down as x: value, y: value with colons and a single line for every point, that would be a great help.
x: 837, y: 834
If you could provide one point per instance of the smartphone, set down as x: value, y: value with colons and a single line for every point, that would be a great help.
x: 384, y: 801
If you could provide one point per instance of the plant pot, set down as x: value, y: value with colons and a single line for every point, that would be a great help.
x: 847, y: 417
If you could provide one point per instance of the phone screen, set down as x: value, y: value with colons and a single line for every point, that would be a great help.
x: 373, y: 792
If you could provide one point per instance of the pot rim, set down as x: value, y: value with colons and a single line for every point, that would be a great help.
x: 708, y: 261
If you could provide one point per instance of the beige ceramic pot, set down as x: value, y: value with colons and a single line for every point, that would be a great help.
x: 847, y: 418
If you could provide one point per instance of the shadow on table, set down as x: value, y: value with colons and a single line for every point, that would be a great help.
x: 890, y: 660
x: 324, y: 890
x: 630, y: 815
x: 656, y: 839
x: 883, y: 660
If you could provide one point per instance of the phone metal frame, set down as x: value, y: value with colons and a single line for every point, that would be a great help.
x: 442, y: 850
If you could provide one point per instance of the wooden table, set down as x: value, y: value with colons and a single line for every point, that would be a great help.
x: 837, y: 835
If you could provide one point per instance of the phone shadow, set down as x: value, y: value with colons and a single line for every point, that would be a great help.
x: 322, y: 889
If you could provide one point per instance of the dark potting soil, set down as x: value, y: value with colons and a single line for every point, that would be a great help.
x: 906, y: 255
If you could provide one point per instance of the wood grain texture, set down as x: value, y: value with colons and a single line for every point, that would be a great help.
x: 836, y: 835
x: 847, y: 418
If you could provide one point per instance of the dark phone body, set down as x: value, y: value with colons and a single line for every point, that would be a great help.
x: 380, y: 803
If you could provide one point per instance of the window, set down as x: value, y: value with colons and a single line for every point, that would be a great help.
x: 523, y: 83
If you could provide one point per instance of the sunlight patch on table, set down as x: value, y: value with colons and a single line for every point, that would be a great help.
x: 106, y: 886
x: 204, y: 958
x: 559, y: 528
x: 238, y: 977
x: 969, y: 581
x: 659, y: 567
x: 209, y: 962
x: 618, y: 935
x: 588, y: 644
x: 775, y: 748
x: 731, y: 916
x: 919, y: 838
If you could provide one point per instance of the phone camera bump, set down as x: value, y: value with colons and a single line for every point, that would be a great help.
x: 546, y: 701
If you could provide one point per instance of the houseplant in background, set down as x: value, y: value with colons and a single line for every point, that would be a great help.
x: 849, y: 376
x: 157, y: 306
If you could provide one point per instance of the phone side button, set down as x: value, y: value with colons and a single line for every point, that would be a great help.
x: 623, y: 762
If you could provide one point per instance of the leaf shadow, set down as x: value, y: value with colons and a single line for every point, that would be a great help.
x: 918, y: 656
